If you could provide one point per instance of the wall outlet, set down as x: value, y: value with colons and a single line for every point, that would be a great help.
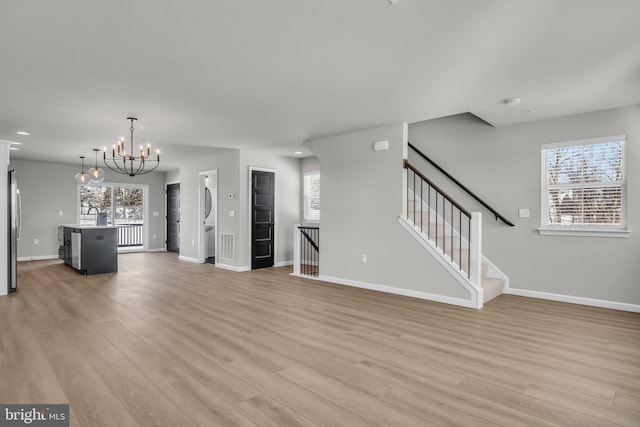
x: 156, y: 213
x: 232, y: 213
x: 36, y: 241
x: 364, y: 257
x: 523, y: 213
x: 193, y: 243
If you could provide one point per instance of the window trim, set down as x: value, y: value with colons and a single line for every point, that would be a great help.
x: 146, y: 213
x: 615, y: 231
x: 305, y: 198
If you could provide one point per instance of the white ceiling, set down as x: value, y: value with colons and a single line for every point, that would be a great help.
x: 258, y: 73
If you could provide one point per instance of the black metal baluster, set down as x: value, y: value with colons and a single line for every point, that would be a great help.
x: 306, y: 267
x: 451, y: 230
x: 469, y: 254
x: 421, y: 203
x: 444, y: 230
x: 460, y: 238
x: 429, y: 214
x: 414, y: 199
x: 436, y: 226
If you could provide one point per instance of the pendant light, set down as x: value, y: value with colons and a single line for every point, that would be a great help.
x: 96, y: 174
x: 82, y: 177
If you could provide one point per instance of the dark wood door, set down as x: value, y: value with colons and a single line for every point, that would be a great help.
x: 262, y: 218
x: 173, y: 217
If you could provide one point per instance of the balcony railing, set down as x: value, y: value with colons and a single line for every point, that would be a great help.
x: 130, y: 235
x: 306, y: 251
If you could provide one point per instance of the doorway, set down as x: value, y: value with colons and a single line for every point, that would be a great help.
x: 173, y: 218
x: 208, y: 190
x: 262, y: 218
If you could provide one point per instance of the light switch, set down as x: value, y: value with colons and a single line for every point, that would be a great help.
x: 60, y: 213
x: 523, y: 213
x: 232, y: 213
x: 156, y: 213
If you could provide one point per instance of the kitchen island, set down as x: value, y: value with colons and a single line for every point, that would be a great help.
x: 90, y: 249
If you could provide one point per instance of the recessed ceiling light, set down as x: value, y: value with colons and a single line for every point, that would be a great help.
x: 14, y: 148
x: 512, y: 102
x: 298, y: 152
x: 16, y: 143
x: 21, y: 132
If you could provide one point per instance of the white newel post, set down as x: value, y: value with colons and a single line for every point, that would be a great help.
x: 296, y: 249
x: 476, y: 250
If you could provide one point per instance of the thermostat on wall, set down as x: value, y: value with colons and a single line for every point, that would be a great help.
x: 230, y: 196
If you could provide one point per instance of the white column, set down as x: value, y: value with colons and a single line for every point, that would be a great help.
x: 296, y: 250
x: 4, y: 225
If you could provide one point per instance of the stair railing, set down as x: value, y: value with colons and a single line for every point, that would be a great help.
x: 306, y: 251
x: 462, y: 186
x: 439, y: 218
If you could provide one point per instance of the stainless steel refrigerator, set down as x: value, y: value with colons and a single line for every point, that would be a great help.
x: 15, y: 216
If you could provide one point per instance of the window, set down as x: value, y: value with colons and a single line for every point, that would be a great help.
x: 124, y: 206
x: 312, y: 197
x: 584, y: 187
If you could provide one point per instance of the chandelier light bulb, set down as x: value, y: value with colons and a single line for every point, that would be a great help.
x: 130, y: 162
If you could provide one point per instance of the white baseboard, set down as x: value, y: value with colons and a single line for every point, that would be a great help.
x: 157, y: 250
x: 575, y: 300
x: 283, y: 264
x: 186, y: 258
x: 233, y: 267
x: 397, y: 291
x: 37, y: 258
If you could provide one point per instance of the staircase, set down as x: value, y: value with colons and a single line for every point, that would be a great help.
x: 452, y: 234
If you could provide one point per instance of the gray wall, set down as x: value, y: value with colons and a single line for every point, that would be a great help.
x: 47, y: 188
x: 172, y: 176
x: 361, y: 197
x: 233, y: 172
x: 287, y: 199
x: 503, y: 166
x: 226, y: 162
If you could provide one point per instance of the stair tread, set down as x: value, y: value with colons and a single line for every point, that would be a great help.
x: 429, y: 230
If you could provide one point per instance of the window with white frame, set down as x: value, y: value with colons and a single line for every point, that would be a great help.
x: 312, y: 197
x: 584, y: 186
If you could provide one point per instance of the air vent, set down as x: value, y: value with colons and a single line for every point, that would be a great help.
x: 227, y: 246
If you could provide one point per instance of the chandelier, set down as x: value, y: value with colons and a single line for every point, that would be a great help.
x: 129, y: 162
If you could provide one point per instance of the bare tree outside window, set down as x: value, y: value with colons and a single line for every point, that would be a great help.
x: 312, y: 197
x: 584, y: 185
x: 94, y: 199
x: 123, y: 206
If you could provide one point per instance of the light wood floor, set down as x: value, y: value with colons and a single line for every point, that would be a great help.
x: 171, y: 343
